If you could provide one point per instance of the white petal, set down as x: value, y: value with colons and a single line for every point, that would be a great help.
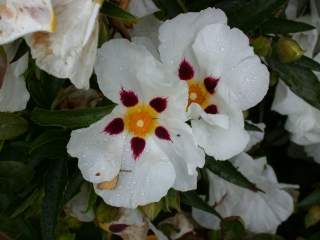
x: 99, y: 153
x: 176, y: 35
x: 183, y: 153
x: 292, y: 9
x: 122, y: 64
x: 141, y: 8
x: 19, y: 18
x: 13, y: 93
x: 70, y: 51
x: 148, y: 181
x: 77, y: 206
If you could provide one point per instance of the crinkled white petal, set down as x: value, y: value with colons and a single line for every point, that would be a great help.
x: 121, y: 64
x: 78, y: 205
x: 261, y: 212
x: 141, y: 8
x: 177, y: 35
x: 147, y: 181
x: 313, y: 151
x: 183, y: 153
x: 13, y: 93
x: 19, y: 18
x: 70, y: 51
x: 100, y: 154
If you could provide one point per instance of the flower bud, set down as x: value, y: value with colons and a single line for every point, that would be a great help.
x: 288, y: 50
x: 262, y: 46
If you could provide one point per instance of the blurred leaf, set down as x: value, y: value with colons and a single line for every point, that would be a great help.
x: 193, y: 200
x: 169, y: 8
x: 3, y: 65
x: 14, y: 176
x: 73, y: 186
x: 172, y: 200
x: 112, y: 10
x: 306, y: 62
x: 152, y: 210
x: 313, y: 216
x: 312, y: 199
x: 265, y: 236
x: 251, y: 127
x: 228, y: 172
x: 21, y: 51
x: 12, y: 126
x: 284, y: 26
x: 17, y: 229
x: 50, y: 144
x: 69, y: 118
x: 232, y: 229
x: 54, y: 191
x: 249, y: 15
x: 303, y: 82
x: 315, y: 236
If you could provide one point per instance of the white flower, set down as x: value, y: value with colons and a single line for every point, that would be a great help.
x: 144, y: 147
x: 222, y: 72
x: 13, y: 92
x: 78, y: 206
x: 141, y: 8
x: 19, y: 18
x: 261, y: 212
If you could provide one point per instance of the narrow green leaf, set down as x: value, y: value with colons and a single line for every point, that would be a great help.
x: 284, y: 26
x: 249, y: 15
x: 232, y: 228
x: 112, y: 10
x: 22, y: 50
x: 228, y: 172
x: 11, y: 126
x: 193, y: 200
x: 312, y: 199
x: 69, y: 119
x: 14, y: 176
x: 306, y: 62
x: 53, y: 199
x: 251, y: 127
x: 29, y: 201
x: 302, y: 81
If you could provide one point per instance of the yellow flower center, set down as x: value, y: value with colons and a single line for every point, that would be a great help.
x: 141, y: 120
x: 198, y: 93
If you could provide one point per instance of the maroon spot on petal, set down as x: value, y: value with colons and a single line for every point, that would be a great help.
x: 211, y: 109
x: 210, y: 84
x: 162, y: 133
x: 137, y: 146
x: 116, y: 126
x: 159, y: 104
x: 117, y: 228
x: 128, y: 98
x: 186, y: 71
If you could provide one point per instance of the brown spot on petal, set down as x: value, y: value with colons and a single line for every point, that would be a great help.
x: 108, y: 185
x: 42, y: 38
x: 6, y: 12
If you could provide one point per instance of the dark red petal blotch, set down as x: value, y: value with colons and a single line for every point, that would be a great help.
x: 211, y: 109
x: 128, y: 98
x: 186, y: 71
x: 210, y: 84
x: 137, y: 146
x: 116, y: 126
x: 117, y: 228
x: 162, y: 133
x: 159, y: 104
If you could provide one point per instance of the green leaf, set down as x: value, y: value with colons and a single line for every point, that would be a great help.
x: 169, y: 8
x: 12, y: 126
x: 232, y: 229
x: 315, y: 236
x: 73, y: 186
x: 50, y: 144
x: 17, y: 229
x: 312, y: 199
x: 14, y: 176
x: 3, y: 65
x: 69, y: 118
x: 228, y: 172
x: 251, y: 127
x: 284, y: 26
x: 306, y: 62
x: 249, y: 15
x: 265, y: 236
x: 112, y: 10
x: 193, y: 200
x: 302, y: 81
x: 53, y: 199
x: 22, y: 50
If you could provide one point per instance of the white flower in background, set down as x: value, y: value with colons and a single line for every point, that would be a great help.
x: 19, y: 18
x: 13, y: 92
x: 144, y: 147
x: 261, y: 212
x: 223, y: 75
x: 303, y: 119
x: 78, y: 206
x: 141, y: 8
x: 256, y: 136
